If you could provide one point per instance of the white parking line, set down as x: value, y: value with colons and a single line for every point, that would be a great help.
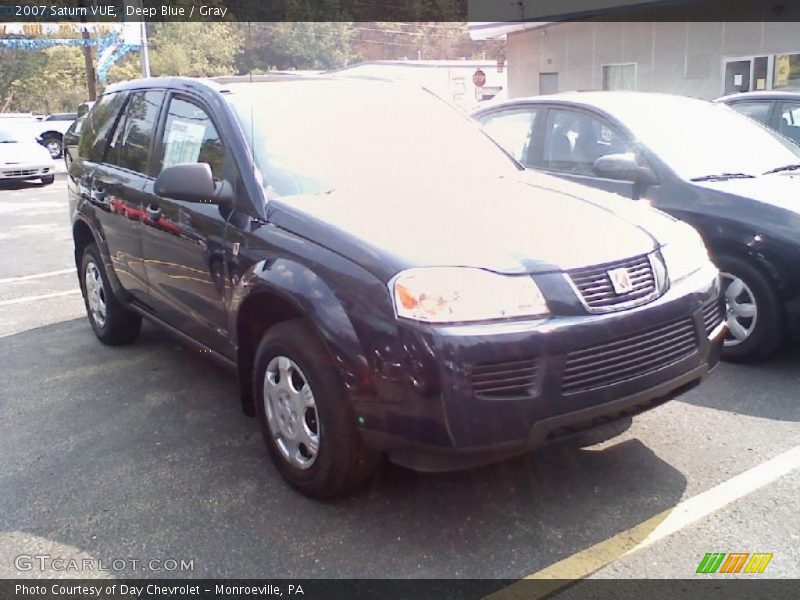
x: 666, y: 523
x: 36, y: 276
x: 26, y: 299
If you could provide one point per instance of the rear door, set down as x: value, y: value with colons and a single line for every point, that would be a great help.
x: 98, y: 184
x: 117, y: 188
x: 183, y: 242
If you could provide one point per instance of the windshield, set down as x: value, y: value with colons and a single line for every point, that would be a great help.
x: 313, y: 136
x: 700, y: 139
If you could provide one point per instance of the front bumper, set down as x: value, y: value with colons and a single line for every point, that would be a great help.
x: 433, y: 413
x: 26, y: 171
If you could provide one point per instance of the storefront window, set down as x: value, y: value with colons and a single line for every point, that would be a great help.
x: 787, y: 71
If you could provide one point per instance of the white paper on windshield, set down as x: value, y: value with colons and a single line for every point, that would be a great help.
x: 183, y: 144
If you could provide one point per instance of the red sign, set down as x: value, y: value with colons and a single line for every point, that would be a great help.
x: 479, y: 78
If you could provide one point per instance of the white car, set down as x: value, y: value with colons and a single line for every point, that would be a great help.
x: 21, y: 157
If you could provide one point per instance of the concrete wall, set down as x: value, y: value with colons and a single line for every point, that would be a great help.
x: 681, y: 58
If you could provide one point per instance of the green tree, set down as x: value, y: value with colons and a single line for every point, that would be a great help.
x: 56, y: 84
x: 16, y: 64
x: 295, y: 45
x: 194, y: 49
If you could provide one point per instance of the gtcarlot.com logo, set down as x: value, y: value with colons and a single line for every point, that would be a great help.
x: 734, y: 562
x: 45, y: 562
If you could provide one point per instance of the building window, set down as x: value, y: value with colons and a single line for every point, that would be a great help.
x: 787, y: 71
x: 619, y: 77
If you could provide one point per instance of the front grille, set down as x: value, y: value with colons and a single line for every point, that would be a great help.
x: 712, y: 315
x: 20, y: 172
x: 628, y: 357
x: 595, y: 287
x: 505, y: 380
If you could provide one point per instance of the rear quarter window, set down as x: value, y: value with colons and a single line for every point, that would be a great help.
x: 98, y: 126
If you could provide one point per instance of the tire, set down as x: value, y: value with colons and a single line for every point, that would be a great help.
x: 749, y: 337
x: 54, y: 145
x: 113, y: 324
x: 48, y: 179
x: 291, y: 426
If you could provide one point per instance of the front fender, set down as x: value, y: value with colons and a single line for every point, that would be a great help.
x: 343, y: 313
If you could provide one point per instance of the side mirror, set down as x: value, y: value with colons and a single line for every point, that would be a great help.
x: 623, y: 167
x: 193, y: 182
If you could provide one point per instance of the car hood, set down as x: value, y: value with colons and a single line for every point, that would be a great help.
x: 508, y: 225
x: 781, y: 190
x: 23, y: 153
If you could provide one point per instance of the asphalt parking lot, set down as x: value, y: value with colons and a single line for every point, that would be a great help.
x: 143, y: 452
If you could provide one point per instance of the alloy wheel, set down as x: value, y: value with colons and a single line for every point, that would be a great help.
x: 741, y: 310
x: 291, y: 412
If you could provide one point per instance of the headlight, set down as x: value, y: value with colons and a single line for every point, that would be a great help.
x: 685, y: 253
x: 457, y: 294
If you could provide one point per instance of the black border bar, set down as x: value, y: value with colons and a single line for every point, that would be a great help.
x: 491, y: 11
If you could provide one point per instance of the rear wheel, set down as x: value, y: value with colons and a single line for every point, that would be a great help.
x: 754, y: 314
x: 306, y: 419
x: 113, y: 324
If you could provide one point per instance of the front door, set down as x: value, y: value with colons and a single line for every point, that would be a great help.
x: 183, y: 242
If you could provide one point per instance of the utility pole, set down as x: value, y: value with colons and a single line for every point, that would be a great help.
x: 91, y: 78
x: 144, y: 53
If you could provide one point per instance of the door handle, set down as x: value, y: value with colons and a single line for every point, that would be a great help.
x: 153, y: 212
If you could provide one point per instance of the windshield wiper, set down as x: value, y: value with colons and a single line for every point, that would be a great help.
x: 723, y: 177
x: 783, y: 169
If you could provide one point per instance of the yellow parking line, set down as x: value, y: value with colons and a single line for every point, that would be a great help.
x: 658, y: 527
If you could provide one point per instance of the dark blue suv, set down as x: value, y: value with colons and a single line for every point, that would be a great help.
x: 381, y: 276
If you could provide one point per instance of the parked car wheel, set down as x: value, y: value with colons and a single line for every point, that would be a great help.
x: 53, y: 145
x: 48, y: 179
x: 753, y: 310
x: 308, y: 424
x: 113, y: 324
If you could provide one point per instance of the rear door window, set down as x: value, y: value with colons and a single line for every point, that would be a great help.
x: 789, y: 121
x: 132, y: 140
x: 98, y: 126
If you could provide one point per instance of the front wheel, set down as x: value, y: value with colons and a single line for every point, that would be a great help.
x: 306, y: 418
x: 113, y: 324
x: 753, y: 310
x: 48, y: 179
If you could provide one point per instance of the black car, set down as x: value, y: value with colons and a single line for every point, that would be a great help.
x: 382, y: 281
x: 71, y: 139
x: 732, y: 179
x: 778, y: 109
